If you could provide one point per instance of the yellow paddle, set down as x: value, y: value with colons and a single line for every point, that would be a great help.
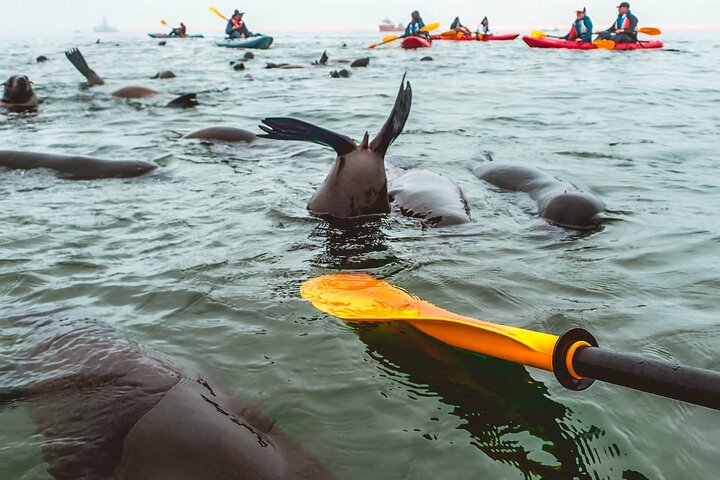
x: 181, y: 35
x: 449, y: 34
x: 650, y: 31
x: 214, y: 10
x: 606, y: 44
x: 574, y: 357
x: 390, y: 38
x: 539, y: 34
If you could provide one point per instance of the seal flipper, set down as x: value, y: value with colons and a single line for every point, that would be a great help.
x: 396, y: 122
x: 79, y: 62
x: 283, y: 128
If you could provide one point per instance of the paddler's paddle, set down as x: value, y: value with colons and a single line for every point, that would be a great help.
x: 650, y: 31
x: 539, y: 34
x: 606, y: 44
x: 214, y: 10
x: 574, y: 357
x: 390, y: 38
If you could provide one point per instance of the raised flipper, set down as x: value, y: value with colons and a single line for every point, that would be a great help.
x: 79, y: 62
x: 283, y: 128
x: 396, y: 122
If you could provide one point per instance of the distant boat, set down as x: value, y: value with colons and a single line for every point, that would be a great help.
x: 104, y: 27
x: 388, y: 26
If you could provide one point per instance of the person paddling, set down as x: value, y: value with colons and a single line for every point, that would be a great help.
x: 414, y: 27
x: 180, y: 31
x: 624, y: 30
x: 459, y: 27
x: 483, y: 30
x: 582, y: 28
x: 236, y: 27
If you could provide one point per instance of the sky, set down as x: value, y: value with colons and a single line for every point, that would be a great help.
x: 276, y: 16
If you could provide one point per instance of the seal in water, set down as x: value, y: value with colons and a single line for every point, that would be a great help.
x: 108, y: 409
x: 433, y: 198
x: 323, y: 59
x: 222, y: 134
x: 356, y: 185
x: 558, y: 202
x: 361, y: 62
x: 18, y: 95
x: 75, y: 167
x: 164, y: 74
x: 77, y: 59
x: 340, y: 73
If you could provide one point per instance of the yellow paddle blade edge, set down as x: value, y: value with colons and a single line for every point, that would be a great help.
x: 359, y: 297
x: 538, y: 34
x: 215, y: 11
x: 431, y: 27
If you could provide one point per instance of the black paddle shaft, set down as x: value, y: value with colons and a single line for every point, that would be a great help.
x: 689, y: 384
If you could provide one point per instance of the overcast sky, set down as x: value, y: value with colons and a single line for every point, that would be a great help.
x: 274, y: 16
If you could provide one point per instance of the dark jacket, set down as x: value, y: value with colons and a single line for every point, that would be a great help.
x: 414, y: 28
x: 629, y: 24
x: 577, y: 27
x: 242, y: 31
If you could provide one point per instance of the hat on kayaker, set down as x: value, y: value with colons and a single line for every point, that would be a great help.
x: 238, y: 12
x: 624, y: 4
x: 580, y: 9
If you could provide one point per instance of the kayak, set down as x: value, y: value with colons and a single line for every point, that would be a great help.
x: 415, y: 42
x: 547, y: 42
x: 262, y: 41
x: 486, y: 38
x: 165, y: 35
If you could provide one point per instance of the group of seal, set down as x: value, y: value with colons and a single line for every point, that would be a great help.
x: 93, y: 79
x: 357, y: 184
x: 109, y: 409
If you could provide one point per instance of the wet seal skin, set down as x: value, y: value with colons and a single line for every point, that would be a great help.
x: 109, y: 409
x: 222, y: 134
x: 558, y: 202
x: 75, y: 167
x: 18, y: 95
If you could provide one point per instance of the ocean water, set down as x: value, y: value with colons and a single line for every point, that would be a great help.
x: 203, y: 260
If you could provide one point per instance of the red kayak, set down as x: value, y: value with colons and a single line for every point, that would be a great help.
x: 415, y: 42
x: 485, y: 38
x: 547, y: 42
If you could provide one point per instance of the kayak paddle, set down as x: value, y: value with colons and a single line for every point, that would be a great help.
x: 539, y: 34
x: 606, y: 44
x: 391, y: 38
x: 574, y: 357
x: 650, y: 31
x: 214, y: 10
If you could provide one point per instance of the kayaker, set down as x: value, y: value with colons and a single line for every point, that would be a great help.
x: 180, y: 31
x: 459, y: 27
x: 413, y: 28
x: 236, y: 27
x: 624, y: 30
x: 582, y: 29
x: 484, y: 28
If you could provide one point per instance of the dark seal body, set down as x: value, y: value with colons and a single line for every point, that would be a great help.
x: 433, y: 198
x: 356, y: 185
x: 558, y: 202
x: 18, y: 95
x: 222, y: 134
x: 73, y: 166
x: 109, y: 409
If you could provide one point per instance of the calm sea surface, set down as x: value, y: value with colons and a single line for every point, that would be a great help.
x: 203, y: 260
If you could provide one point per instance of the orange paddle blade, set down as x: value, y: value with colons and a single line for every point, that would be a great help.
x: 363, y: 298
x: 606, y: 44
x: 448, y: 34
x: 650, y: 31
x: 164, y: 23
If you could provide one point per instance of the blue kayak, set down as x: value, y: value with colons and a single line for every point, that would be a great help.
x: 262, y: 41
